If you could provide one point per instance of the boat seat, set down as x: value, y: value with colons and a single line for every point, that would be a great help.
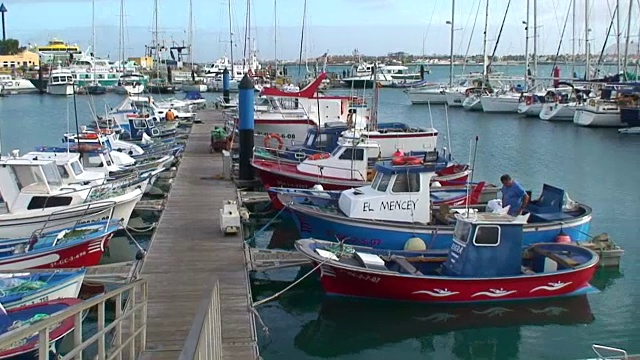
x: 404, y: 264
x: 567, y: 262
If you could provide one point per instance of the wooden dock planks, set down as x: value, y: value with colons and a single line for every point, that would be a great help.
x: 188, y: 252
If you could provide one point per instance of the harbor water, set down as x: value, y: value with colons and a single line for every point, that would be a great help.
x: 598, y: 167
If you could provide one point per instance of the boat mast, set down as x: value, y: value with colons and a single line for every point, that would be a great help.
x: 573, y: 40
x: 93, y: 26
x: 231, y: 42
x: 535, y: 43
x: 121, y: 37
x: 190, y: 34
x: 275, y: 34
x: 453, y: 15
x: 587, y: 70
x: 626, y: 43
x: 247, y: 40
x: 155, y: 38
x: 526, y: 50
x: 619, y: 67
x: 484, y: 45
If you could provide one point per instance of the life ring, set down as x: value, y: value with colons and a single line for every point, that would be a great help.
x: 406, y: 160
x: 274, y: 136
x: 88, y: 136
x: 318, y: 156
x: 592, y: 102
x: 529, y: 100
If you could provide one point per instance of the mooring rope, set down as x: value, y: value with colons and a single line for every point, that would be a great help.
x: 266, y: 226
x: 140, y: 248
x: 142, y: 229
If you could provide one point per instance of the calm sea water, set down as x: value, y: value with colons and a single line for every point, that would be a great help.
x: 597, y: 166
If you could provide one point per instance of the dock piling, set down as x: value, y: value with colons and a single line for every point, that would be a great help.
x: 225, y: 86
x: 246, y: 127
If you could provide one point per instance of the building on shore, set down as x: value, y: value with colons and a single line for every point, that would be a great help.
x: 25, y: 59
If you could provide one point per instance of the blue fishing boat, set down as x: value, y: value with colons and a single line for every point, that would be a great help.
x: 27, y: 315
x: 20, y: 289
x: 394, y: 213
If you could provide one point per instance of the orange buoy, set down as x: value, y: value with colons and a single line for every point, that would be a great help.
x: 406, y: 160
x: 563, y: 238
x: 318, y: 156
x: 274, y: 136
x: 398, y: 153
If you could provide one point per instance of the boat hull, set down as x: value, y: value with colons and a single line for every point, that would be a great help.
x: 557, y: 112
x: 472, y: 103
x: 60, y: 89
x: 290, y: 130
x: 430, y: 96
x: 589, y: 118
x: 498, y: 104
x: 67, y: 288
x: 394, y: 235
x: 389, y: 286
x: 531, y: 110
x: 454, y: 98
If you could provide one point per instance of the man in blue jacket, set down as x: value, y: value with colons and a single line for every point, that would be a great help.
x: 513, y: 194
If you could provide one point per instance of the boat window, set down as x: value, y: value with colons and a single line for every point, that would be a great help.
x: 51, y: 174
x: 94, y: 161
x: 76, y: 167
x: 310, y: 138
x: 139, y: 123
x: 384, y: 182
x: 63, y: 172
x: 406, y: 183
x: 324, y: 140
x: 376, y: 181
x: 352, y: 154
x: 461, y: 231
x: 26, y: 176
x: 487, y: 235
x: 41, y: 202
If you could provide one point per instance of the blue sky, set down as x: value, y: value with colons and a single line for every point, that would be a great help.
x: 375, y: 27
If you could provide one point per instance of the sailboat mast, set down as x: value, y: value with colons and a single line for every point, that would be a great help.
x: 586, y: 40
x: 626, y: 43
x: 121, y: 37
x: 231, y: 42
x: 155, y: 36
x: 93, y: 26
x: 535, y: 43
x: 526, y: 50
x: 453, y: 15
x: 247, y: 40
x: 484, y: 44
x: 190, y: 34
x: 618, y: 33
x: 275, y: 34
x: 573, y: 40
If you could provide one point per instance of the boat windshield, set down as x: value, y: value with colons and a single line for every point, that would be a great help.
x: 309, y: 140
x: 381, y: 182
x: 461, y: 231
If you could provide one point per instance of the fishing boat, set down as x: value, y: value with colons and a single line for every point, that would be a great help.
x: 485, y: 262
x: 131, y: 84
x: 27, y: 315
x: 393, y: 212
x: 34, y: 194
x: 348, y: 166
x: 20, y: 289
x: 95, y: 89
x: 77, y: 246
x: 60, y: 82
x: 454, y: 196
x: 160, y: 86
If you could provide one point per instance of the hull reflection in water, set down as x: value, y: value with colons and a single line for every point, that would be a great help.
x: 348, y: 326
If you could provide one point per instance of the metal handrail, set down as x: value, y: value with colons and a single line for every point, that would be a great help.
x: 44, y: 327
x: 110, y: 208
x: 204, y: 341
x: 613, y: 350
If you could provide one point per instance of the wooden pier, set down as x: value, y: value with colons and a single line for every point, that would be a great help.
x: 189, y: 255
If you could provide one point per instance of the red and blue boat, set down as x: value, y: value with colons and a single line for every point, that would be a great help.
x: 486, y: 262
x: 397, y: 207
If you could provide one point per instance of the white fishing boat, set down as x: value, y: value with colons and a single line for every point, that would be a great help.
x: 60, y: 82
x: 131, y: 84
x: 34, y: 194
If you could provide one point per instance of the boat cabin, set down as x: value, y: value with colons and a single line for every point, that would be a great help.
x: 486, y: 245
x: 324, y: 138
x: 349, y: 160
x: 107, y: 139
x: 132, y: 125
x: 397, y: 193
x: 27, y: 184
x: 92, y: 156
x: 70, y: 168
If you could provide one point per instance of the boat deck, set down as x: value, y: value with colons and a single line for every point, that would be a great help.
x: 188, y: 252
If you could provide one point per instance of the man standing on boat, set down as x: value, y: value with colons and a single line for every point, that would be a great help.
x: 513, y: 194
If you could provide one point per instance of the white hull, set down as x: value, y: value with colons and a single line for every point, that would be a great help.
x: 24, y: 224
x: 499, y: 104
x: 454, y: 98
x: 630, y: 130
x: 60, y: 89
x: 558, y: 112
x: 532, y: 110
x: 129, y: 89
x: 472, y: 103
x: 588, y: 118
x: 194, y: 87
x: 289, y: 131
x: 17, y: 86
x: 67, y: 289
x: 427, y: 96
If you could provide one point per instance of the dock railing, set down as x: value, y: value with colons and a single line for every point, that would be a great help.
x: 204, y: 341
x: 133, y: 316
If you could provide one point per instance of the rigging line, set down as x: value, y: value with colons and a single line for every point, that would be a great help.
x: 466, y: 54
x: 604, y: 45
x: 499, y: 34
x: 426, y: 33
x: 566, y: 20
x: 464, y: 30
x: 304, y: 19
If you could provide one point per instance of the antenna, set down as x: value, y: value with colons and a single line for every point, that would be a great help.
x: 473, y: 163
x: 446, y: 117
x: 430, y: 114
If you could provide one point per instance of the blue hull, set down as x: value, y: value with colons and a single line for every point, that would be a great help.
x: 394, y: 237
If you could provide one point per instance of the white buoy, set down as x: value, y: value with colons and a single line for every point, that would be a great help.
x: 415, y: 244
x: 318, y: 187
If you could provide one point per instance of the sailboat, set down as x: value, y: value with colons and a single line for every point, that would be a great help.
x: 158, y: 85
x: 94, y: 88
